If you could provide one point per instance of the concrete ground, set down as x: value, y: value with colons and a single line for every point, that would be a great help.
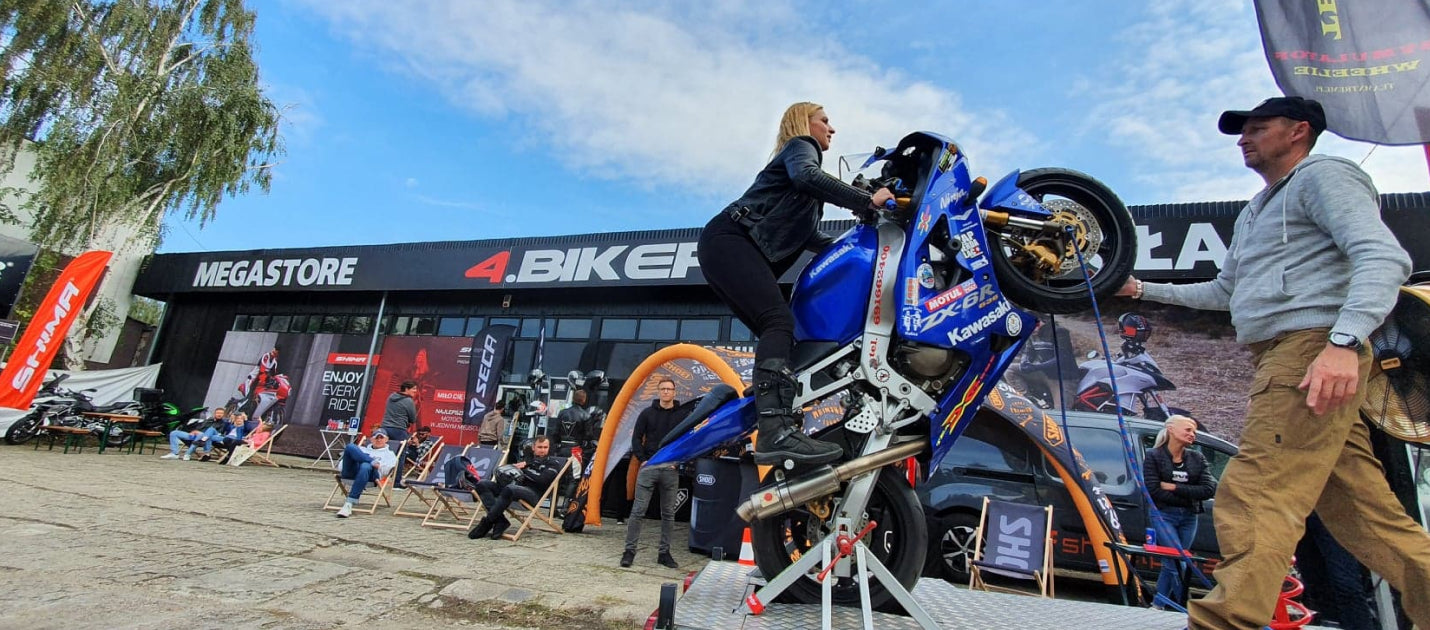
x: 130, y: 541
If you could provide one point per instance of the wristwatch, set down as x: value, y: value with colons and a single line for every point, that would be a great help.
x: 1343, y: 340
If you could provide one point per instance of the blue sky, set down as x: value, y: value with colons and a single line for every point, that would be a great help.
x: 459, y: 119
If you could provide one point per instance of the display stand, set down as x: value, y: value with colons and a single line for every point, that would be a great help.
x: 836, y: 549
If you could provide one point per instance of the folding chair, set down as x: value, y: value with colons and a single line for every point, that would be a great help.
x: 264, y: 454
x: 1018, y: 545
x: 424, y: 488
x: 456, y: 508
x: 536, y: 516
x: 383, y: 495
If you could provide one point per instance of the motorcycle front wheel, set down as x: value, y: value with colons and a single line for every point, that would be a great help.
x: 900, y: 542
x: 25, y: 429
x: 1105, y: 235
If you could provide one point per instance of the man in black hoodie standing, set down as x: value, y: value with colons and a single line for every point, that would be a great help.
x: 651, y: 427
x: 400, y: 415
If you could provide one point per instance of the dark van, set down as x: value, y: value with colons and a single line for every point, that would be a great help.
x: 994, y: 458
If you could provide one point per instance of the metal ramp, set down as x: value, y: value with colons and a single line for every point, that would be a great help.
x: 715, y: 602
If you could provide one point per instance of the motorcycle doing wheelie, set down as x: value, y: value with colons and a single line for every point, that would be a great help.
x: 909, y: 316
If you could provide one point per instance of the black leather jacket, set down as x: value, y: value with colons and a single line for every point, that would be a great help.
x: 540, y: 472
x: 1200, y: 484
x: 782, y: 209
x: 571, y: 428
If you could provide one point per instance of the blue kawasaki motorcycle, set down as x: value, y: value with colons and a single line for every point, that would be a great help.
x: 911, y: 317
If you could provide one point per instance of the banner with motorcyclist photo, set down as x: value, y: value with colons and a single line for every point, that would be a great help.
x: 439, y: 366
x: 1165, y: 360
x: 300, y: 379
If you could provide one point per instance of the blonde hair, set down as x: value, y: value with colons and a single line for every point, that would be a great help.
x: 1172, y: 421
x: 795, y: 123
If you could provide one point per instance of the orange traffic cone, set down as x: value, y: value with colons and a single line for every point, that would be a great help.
x: 747, y: 551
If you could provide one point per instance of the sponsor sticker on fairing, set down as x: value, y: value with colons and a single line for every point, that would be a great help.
x: 911, y: 292
x: 968, y: 332
x: 968, y: 246
x: 925, y: 276
x: 912, y: 318
x: 951, y: 295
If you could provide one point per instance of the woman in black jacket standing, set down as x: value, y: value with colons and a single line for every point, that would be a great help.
x: 752, y: 242
x: 1179, y: 480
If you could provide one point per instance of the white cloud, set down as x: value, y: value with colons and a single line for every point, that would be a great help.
x: 1181, y: 67
x: 299, y: 118
x: 655, y: 95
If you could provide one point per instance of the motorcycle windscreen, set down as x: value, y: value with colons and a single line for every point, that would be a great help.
x: 831, y: 293
x: 732, y: 421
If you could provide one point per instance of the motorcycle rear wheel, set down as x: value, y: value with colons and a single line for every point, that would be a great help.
x: 1109, y: 265
x: 900, y: 542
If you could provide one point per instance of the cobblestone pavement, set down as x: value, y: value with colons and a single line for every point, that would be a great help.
x: 131, y: 541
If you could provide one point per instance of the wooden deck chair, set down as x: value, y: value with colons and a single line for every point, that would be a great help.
x: 423, y: 465
x: 264, y: 454
x: 1013, y: 540
x: 455, y: 508
x: 526, y: 516
x: 383, y: 494
x: 424, y: 488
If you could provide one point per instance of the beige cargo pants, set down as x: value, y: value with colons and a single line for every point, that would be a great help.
x: 1290, y: 463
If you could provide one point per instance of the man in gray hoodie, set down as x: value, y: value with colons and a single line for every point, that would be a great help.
x: 1311, y: 271
x: 400, y: 414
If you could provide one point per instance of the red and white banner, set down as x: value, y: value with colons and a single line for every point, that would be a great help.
x: 42, y: 339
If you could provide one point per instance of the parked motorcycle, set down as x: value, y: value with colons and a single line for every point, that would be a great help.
x: 1139, y: 385
x: 56, y: 406
x: 909, y: 317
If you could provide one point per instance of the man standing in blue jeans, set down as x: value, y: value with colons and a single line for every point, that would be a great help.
x: 1178, y: 479
x: 365, y: 465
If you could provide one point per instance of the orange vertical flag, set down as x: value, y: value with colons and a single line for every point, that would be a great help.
x: 42, y: 339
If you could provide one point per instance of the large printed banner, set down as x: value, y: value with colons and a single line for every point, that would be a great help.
x: 290, y: 378
x: 1368, y: 63
x: 439, y: 366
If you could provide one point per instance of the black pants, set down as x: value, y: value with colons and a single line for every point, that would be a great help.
x: 748, y: 283
x: 497, y: 499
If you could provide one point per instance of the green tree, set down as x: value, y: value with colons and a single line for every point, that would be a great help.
x: 136, y: 110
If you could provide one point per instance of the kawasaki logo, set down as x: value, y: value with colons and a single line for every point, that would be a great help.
x: 653, y: 261
x: 833, y: 256
x: 967, y: 332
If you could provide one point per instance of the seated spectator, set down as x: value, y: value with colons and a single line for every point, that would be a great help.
x: 538, y: 470
x: 417, y: 448
x: 253, y: 442
x: 365, y: 465
x: 214, y: 428
x: 493, y: 429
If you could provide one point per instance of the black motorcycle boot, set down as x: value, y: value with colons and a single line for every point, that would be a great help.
x: 781, y: 426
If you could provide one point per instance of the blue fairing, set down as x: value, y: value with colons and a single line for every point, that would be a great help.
x: 837, y: 278
x: 1007, y: 195
x: 733, y: 420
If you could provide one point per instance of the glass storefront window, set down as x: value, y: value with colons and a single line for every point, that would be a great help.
x: 258, y: 323
x: 298, y: 324
x: 506, y: 321
x: 618, y: 329
x: 452, y: 326
x: 739, y: 332
x: 333, y: 324
x: 573, y: 329
x: 279, y: 323
x: 315, y: 323
x: 240, y: 322
x: 400, y: 325
x: 475, y: 325
x: 422, y: 326
x: 699, y: 329
x: 658, y: 330
x: 360, y: 325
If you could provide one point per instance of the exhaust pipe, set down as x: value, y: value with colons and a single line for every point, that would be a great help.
x: 789, y: 494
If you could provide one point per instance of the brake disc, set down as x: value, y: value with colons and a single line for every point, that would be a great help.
x: 1086, y: 237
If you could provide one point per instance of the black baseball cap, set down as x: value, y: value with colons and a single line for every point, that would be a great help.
x: 1293, y: 107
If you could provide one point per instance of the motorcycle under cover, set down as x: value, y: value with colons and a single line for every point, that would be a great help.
x: 43, y: 337
x: 489, y: 350
x: 1366, y: 62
